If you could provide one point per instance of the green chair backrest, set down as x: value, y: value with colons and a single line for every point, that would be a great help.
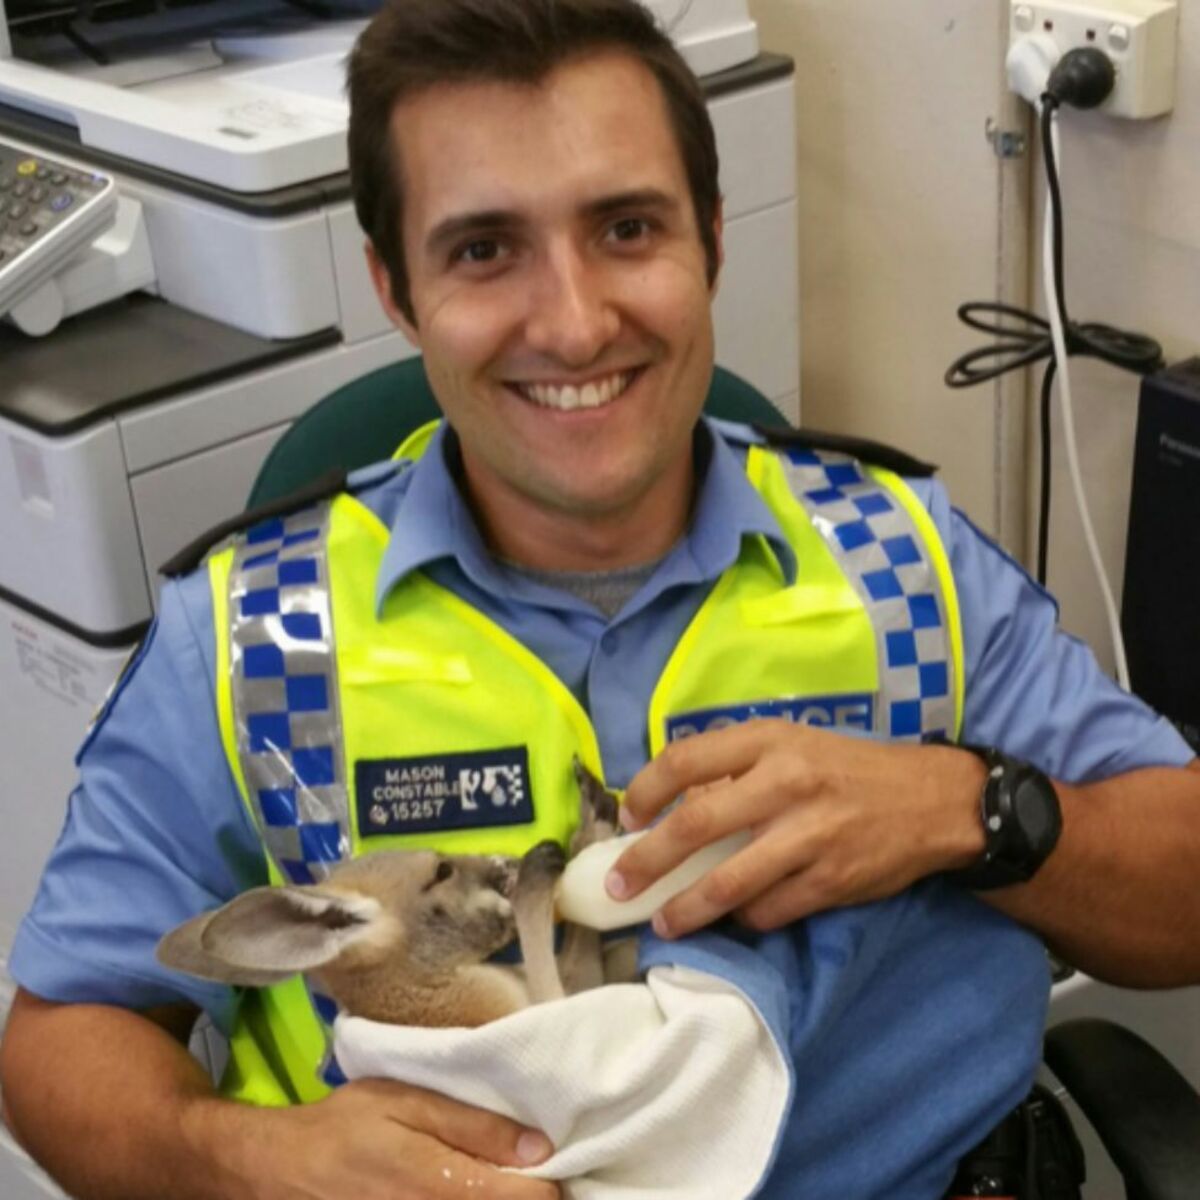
x: 365, y: 420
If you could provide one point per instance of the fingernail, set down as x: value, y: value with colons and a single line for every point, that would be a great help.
x: 533, y: 1147
x: 659, y: 924
x: 616, y: 885
x: 627, y: 820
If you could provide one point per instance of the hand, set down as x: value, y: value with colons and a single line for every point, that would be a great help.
x: 377, y: 1139
x: 836, y: 820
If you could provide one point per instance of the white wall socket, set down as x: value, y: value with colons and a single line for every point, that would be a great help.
x: 1138, y: 35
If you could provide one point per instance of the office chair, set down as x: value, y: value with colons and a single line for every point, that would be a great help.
x: 1145, y: 1113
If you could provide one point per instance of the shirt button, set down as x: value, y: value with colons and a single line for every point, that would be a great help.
x: 610, y: 642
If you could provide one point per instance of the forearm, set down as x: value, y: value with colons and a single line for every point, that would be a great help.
x: 840, y: 821
x: 1119, y: 897
x: 115, y: 1108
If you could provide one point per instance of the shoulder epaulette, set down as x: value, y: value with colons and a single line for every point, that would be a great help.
x: 324, y: 487
x: 875, y: 453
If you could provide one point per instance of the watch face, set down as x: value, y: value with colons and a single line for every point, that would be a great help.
x: 1035, y: 805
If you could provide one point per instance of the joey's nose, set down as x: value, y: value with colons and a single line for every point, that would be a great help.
x: 502, y: 877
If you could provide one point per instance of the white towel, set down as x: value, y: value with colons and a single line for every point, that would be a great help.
x: 672, y: 1089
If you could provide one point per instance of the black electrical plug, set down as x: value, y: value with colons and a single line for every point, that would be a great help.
x: 1082, y: 78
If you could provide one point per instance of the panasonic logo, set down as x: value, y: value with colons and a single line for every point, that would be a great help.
x: 1167, y: 442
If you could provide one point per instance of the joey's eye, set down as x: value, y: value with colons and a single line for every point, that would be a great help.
x: 443, y: 872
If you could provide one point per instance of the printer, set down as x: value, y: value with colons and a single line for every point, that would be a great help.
x: 227, y: 296
x: 134, y: 426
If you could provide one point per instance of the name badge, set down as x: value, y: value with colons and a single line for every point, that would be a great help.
x: 854, y: 711
x: 440, y: 792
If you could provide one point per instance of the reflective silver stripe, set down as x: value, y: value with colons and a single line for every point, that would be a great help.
x: 285, y: 696
x: 883, y: 555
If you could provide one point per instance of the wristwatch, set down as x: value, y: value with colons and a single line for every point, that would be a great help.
x: 1021, y: 822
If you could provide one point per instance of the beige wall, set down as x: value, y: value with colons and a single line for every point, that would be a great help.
x: 902, y: 203
x: 1133, y: 260
x: 905, y: 212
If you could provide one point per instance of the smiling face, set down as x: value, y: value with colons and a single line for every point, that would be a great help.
x: 559, y: 286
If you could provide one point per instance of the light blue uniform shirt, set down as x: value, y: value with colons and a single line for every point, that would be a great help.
x: 156, y: 831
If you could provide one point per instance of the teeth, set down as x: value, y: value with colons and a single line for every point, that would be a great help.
x: 569, y: 398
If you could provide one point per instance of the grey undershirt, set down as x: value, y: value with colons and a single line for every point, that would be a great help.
x: 609, y: 591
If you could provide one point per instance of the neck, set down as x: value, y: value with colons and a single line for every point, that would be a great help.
x: 519, y: 530
x: 568, y: 542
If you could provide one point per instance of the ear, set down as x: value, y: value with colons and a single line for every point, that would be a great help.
x: 268, y: 934
x: 719, y: 235
x: 381, y: 280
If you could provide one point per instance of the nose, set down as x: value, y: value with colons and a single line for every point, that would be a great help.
x: 501, y: 874
x: 572, y: 317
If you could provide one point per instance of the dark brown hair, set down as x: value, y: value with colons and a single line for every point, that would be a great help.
x: 411, y: 45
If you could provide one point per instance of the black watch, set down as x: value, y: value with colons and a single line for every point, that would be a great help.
x: 1021, y: 822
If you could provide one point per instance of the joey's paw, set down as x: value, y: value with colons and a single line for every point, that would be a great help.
x: 541, y: 865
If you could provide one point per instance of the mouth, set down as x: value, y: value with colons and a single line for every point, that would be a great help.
x: 596, y: 393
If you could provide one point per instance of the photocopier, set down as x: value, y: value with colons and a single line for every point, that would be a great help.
x: 203, y: 287
x: 130, y: 427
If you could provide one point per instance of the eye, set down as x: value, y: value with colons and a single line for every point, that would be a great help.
x: 442, y: 872
x: 629, y: 229
x: 481, y: 250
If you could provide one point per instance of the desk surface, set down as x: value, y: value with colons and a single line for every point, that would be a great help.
x: 123, y: 356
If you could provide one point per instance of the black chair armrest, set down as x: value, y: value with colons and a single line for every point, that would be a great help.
x: 1145, y: 1112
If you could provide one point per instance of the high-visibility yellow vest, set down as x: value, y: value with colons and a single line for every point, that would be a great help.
x: 428, y: 725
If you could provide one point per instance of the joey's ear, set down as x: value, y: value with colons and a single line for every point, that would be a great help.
x: 268, y: 934
x: 182, y: 950
x: 597, y: 805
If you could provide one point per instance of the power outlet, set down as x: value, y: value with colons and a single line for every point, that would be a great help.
x: 1139, y: 36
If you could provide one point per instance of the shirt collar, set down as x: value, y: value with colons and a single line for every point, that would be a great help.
x: 729, y: 509
x: 433, y: 520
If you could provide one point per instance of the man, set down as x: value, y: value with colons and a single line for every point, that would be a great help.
x: 538, y: 186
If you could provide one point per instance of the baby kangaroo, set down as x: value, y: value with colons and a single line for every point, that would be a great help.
x: 404, y: 936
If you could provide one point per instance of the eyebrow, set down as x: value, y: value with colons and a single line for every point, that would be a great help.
x: 643, y: 198
x: 452, y: 229
x: 463, y: 225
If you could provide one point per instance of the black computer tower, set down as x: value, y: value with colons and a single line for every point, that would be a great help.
x: 1160, y: 610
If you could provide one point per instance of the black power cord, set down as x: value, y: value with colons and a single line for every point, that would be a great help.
x: 1082, y: 78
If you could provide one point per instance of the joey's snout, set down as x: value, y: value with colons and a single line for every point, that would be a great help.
x: 502, y: 874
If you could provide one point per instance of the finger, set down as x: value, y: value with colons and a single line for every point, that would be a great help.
x: 438, y: 1172
x: 475, y: 1131
x: 706, y: 815
x: 775, y: 854
x: 790, y: 899
x: 693, y: 762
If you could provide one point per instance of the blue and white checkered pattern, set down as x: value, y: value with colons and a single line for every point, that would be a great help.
x: 285, y: 693
x: 879, y: 548
x: 285, y: 705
